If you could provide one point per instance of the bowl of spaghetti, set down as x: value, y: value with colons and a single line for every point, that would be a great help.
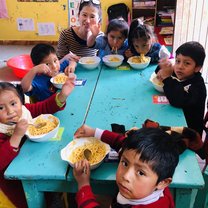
x: 48, y: 131
x: 139, y: 62
x: 74, y: 151
x: 90, y: 62
x: 113, y: 60
x: 158, y: 85
x: 58, y: 80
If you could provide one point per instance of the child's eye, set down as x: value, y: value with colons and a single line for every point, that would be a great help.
x: 1, y: 108
x: 13, y: 103
x: 141, y: 173
x: 124, y: 163
x: 47, y: 64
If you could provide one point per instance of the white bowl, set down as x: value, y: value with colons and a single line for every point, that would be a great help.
x: 45, y: 136
x: 81, y: 142
x: 135, y: 65
x: 158, y: 85
x: 60, y: 83
x: 113, y: 60
x: 90, y: 62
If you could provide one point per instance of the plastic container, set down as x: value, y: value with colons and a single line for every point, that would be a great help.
x: 20, y: 64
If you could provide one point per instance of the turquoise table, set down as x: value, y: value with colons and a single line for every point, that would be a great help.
x: 123, y: 97
x: 126, y: 97
x: 39, y: 165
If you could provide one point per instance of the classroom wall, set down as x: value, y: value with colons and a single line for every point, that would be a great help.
x: 41, y: 12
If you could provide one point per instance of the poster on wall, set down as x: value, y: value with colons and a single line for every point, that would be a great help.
x: 73, y: 12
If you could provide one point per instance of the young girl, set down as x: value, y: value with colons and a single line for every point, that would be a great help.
x: 36, y: 83
x: 141, y: 40
x: 12, y: 136
x: 115, y: 40
x: 148, y: 158
x: 72, y: 42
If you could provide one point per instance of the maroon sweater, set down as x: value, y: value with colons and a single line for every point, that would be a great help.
x: 86, y: 199
x: 13, y: 188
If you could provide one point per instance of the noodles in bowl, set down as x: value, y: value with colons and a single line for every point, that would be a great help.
x: 47, y: 131
x: 74, y: 151
x: 59, y: 80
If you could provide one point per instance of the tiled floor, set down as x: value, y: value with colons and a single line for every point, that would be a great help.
x: 8, y: 51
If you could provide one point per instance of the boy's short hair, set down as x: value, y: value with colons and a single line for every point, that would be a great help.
x: 40, y: 51
x: 194, y: 50
x: 156, y: 147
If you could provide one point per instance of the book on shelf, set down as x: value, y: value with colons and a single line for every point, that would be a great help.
x: 166, y: 31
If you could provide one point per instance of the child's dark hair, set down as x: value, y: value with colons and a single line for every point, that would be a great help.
x: 40, y: 51
x: 91, y: 3
x: 194, y: 50
x: 139, y: 30
x: 156, y: 147
x: 16, y: 88
x: 118, y: 25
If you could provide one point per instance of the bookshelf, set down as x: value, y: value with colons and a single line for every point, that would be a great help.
x: 146, y: 10
x: 158, y: 13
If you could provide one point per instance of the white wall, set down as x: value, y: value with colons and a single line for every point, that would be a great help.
x: 191, y: 23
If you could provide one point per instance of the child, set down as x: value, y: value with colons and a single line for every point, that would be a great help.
x: 115, y: 40
x: 148, y: 158
x: 13, y: 110
x: 36, y: 83
x: 141, y: 40
x: 183, y: 84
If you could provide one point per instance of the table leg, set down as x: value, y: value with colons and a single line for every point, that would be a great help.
x: 185, y: 197
x: 35, y: 198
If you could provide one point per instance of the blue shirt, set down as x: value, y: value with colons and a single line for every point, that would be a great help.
x: 42, y: 87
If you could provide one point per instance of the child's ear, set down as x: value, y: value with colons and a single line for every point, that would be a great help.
x: 197, y: 68
x: 164, y: 183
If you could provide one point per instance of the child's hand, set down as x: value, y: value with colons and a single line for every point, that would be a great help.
x: 128, y: 53
x: 19, y: 132
x: 84, y: 131
x: 67, y: 88
x: 81, y: 173
x: 166, y: 69
x: 70, y: 68
x: 42, y: 69
x: 21, y: 128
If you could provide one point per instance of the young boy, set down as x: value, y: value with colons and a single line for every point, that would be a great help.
x: 148, y: 158
x: 183, y: 84
x: 36, y: 83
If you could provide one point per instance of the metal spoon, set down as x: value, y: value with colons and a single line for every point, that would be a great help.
x: 38, y: 125
x: 87, y: 154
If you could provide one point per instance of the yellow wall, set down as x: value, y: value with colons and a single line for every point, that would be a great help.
x: 41, y: 13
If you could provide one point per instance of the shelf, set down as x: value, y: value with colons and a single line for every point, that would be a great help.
x: 144, y: 8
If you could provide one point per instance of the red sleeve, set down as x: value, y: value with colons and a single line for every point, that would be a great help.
x: 44, y: 107
x: 115, y: 140
x: 7, y: 154
x: 85, y: 198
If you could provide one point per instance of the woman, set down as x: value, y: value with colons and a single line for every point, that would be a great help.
x: 72, y: 43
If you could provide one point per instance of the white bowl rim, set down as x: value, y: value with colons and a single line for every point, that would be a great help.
x: 106, y: 57
x: 96, y: 58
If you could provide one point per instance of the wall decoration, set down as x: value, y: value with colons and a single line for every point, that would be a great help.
x: 37, y: 0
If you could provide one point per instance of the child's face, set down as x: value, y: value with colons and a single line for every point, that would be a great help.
x: 115, y: 39
x: 185, y: 67
x: 10, y: 107
x: 135, y: 179
x: 88, y: 15
x: 142, y: 46
x: 53, y: 63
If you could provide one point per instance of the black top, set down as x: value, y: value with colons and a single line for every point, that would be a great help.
x: 190, y: 95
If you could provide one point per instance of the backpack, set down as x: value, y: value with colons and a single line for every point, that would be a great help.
x: 118, y: 10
